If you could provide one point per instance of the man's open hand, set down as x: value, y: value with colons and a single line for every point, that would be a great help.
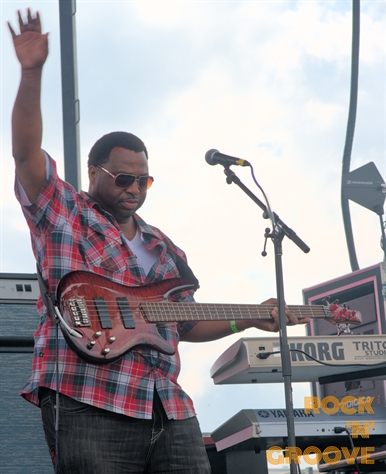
x: 31, y: 46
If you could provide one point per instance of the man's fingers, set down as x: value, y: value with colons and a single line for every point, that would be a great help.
x: 11, y: 30
x: 292, y: 320
x: 30, y: 20
x: 20, y: 19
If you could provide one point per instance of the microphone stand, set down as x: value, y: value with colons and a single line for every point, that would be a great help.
x: 279, y: 231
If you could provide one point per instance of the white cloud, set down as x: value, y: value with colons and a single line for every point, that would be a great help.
x: 163, y: 14
x: 324, y: 115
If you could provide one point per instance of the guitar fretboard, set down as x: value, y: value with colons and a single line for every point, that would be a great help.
x: 156, y: 311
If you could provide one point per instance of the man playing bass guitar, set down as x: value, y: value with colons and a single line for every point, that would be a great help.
x: 128, y: 415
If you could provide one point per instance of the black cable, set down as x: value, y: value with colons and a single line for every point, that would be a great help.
x: 383, y: 234
x: 341, y: 429
x: 350, y: 131
x: 57, y: 401
x: 265, y: 355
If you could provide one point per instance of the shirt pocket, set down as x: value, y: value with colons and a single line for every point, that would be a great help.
x: 103, y: 247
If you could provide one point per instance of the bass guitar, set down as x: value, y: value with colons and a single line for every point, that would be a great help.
x: 102, y: 320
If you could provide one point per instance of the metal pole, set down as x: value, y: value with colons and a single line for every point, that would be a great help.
x: 70, y: 101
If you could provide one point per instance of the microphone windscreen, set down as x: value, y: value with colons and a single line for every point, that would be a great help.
x: 209, y: 157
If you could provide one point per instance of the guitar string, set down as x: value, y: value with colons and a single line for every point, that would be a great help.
x: 192, y: 311
x: 168, y: 311
x: 196, y: 307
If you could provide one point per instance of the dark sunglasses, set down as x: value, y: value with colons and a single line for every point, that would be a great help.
x: 123, y: 180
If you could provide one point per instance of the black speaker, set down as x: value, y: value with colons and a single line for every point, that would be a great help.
x: 22, y: 445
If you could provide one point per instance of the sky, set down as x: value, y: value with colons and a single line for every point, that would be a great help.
x: 266, y: 81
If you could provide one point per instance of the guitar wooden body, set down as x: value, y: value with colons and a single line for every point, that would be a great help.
x: 108, y: 315
x: 105, y: 320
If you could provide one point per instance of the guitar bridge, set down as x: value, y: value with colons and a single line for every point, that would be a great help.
x: 78, y: 312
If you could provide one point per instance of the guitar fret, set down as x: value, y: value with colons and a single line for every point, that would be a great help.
x: 202, y: 312
x: 167, y: 311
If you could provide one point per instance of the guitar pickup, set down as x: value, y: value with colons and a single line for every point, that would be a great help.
x: 127, y: 315
x: 103, y: 313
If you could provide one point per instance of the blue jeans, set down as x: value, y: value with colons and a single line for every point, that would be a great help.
x: 95, y: 441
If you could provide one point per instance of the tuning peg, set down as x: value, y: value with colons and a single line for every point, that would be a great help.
x: 326, y: 300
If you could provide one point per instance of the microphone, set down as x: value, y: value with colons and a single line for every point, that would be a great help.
x: 214, y: 157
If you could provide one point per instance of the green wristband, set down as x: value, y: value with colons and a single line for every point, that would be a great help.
x: 232, y: 323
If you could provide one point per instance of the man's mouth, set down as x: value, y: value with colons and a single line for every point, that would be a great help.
x: 130, y: 203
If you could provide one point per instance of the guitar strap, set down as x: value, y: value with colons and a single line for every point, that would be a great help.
x: 49, y: 299
x: 184, y: 269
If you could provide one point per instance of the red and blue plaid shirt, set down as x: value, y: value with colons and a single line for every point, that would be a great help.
x: 70, y: 232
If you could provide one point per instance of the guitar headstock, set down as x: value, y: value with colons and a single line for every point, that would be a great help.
x: 338, y: 314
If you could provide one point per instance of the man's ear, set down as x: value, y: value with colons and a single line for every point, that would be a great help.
x: 92, y: 174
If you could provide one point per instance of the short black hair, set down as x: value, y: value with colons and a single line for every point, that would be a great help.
x: 101, y: 149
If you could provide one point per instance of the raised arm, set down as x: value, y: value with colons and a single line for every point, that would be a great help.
x: 31, y: 48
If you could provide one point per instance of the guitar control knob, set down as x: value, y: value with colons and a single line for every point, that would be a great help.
x: 112, y: 339
x: 98, y: 334
x: 91, y: 344
x: 105, y: 351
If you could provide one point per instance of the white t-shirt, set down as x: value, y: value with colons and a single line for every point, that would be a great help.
x: 146, y: 258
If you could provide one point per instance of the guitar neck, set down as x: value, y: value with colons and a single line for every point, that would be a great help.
x: 167, y: 312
